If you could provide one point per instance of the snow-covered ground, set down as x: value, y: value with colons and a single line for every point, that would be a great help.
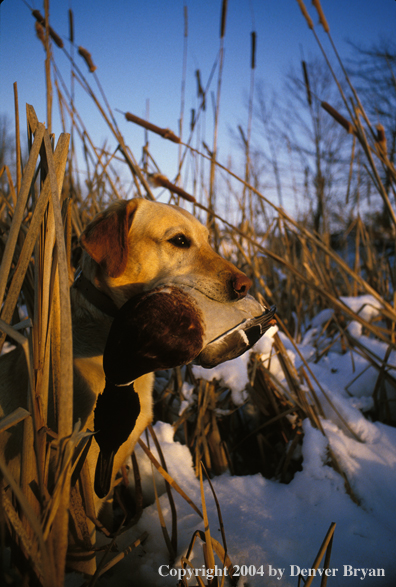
x: 275, y: 530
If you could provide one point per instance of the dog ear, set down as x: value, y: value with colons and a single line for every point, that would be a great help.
x: 106, y: 238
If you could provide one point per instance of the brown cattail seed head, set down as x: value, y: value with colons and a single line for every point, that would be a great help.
x: 71, y: 26
x: 306, y: 81
x: 40, y: 19
x: 166, y: 133
x: 159, y: 180
x: 253, y: 59
x: 338, y: 117
x: 39, y: 32
x: 305, y: 14
x: 87, y: 58
x: 381, y: 139
x: 322, y: 18
x: 223, y: 18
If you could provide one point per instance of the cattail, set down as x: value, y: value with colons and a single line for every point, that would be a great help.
x: 305, y: 14
x: 199, y: 85
x: 87, y: 58
x: 71, y: 26
x: 192, y: 123
x: 253, y: 60
x: 41, y: 20
x: 39, y: 32
x: 242, y: 135
x: 306, y: 81
x: 166, y: 133
x: 223, y: 18
x: 205, y: 146
x: 381, y: 140
x: 338, y: 117
x: 159, y: 180
x: 185, y: 21
x: 200, y: 90
x: 322, y: 18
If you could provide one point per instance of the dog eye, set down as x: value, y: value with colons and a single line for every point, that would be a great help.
x: 180, y: 241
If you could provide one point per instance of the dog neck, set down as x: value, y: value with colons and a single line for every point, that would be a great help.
x: 94, y: 296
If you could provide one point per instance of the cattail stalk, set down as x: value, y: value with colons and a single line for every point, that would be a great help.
x: 246, y: 140
x: 163, y: 132
x: 48, y: 67
x: 160, y: 180
x: 183, y: 84
x: 211, y: 204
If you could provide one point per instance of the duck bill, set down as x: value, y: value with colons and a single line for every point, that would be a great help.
x: 237, y: 341
x: 103, y: 474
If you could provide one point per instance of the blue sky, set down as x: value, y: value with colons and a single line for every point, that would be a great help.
x: 138, y: 49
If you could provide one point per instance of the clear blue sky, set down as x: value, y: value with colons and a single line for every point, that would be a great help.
x: 138, y: 49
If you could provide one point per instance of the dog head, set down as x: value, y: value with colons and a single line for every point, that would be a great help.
x: 137, y: 245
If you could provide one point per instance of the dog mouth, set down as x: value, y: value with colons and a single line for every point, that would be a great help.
x: 221, y: 299
x: 220, y: 295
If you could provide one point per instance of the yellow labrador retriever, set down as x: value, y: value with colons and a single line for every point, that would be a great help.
x: 132, y: 247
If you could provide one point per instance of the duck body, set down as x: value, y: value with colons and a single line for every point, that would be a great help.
x: 117, y: 409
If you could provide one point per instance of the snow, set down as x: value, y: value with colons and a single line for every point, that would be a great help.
x: 233, y: 374
x: 321, y: 318
x: 278, y: 527
x: 366, y: 306
x: 267, y: 523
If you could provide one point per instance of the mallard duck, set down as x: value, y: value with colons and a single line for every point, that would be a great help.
x: 167, y: 327
x: 156, y: 330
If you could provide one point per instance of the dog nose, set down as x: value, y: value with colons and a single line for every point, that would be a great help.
x: 241, y: 285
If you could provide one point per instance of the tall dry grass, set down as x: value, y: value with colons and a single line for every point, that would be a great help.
x: 43, y: 212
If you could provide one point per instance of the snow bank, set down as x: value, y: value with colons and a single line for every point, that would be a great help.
x: 279, y: 528
x: 232, y: 374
